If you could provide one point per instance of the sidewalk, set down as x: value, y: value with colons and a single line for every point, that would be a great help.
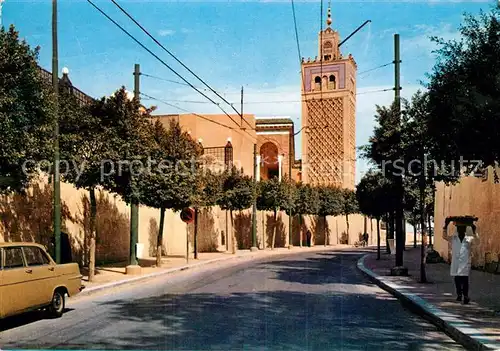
x: 476, y: 326
x: 111, y: 276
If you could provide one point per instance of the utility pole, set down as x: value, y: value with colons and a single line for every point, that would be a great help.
x: 1, y: 2
x: 254, y: 206
x: 57, y: 177
x: 400, y: 239
x: 241, y: 113
x: 291, y: 158
x: 133, y: 267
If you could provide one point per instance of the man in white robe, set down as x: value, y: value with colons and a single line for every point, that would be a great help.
x: 461, y: 257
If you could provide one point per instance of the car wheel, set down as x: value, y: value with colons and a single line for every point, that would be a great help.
x: 56, y: 307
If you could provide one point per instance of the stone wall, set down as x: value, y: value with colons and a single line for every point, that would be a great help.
x: 472, y: 196
x: 29, y: 218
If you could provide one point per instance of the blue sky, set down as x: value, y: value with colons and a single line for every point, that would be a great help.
x: 239, y: 43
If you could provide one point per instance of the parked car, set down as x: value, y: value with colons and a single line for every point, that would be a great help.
x: 30, y: 280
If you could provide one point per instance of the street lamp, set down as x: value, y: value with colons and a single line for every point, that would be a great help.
x: 357, y: 29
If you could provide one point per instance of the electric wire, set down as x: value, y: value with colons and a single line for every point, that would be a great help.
x: 175, y: 58
x: 158, y: 58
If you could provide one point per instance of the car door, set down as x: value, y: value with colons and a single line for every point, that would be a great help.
x: 14, y: 286
x: 40, y: 276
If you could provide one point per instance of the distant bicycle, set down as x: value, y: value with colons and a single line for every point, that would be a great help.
x: 361, y: 243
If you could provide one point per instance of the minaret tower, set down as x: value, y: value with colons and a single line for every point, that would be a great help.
x: 328, y: 113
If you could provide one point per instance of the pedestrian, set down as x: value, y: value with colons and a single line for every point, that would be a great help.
x: 308, y: 238
x: 365, y: 239
x: 461, y: 256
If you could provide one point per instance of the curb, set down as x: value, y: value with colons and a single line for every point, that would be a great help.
x: 92, y: 290
x: 463, y: 333
x: 89, y: 291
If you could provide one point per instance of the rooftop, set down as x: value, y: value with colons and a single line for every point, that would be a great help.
x: 272, y: 120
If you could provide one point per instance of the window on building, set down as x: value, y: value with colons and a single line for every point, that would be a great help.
x: 317, y: 83
x: 331, y: 82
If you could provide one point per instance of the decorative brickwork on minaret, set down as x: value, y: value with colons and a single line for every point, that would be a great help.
x: 328, y: 114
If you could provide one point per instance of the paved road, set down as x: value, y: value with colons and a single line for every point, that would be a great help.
x: 310, y: 301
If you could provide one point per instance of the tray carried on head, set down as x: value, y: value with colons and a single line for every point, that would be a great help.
x: 467, y: 220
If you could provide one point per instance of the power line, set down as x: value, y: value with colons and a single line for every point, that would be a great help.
x: 375, y: 68
x: 184, y: 110
x: 298, y: 45
x: 179, y: 61
x: 277, y: 101
x: 374, y: 91
x: 167, y: 80
x: 198, y: 115
x: 159, y: 59
x: 260, y: 92
x: 195, y: 114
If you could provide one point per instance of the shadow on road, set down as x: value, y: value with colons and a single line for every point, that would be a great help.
x: 308, y: 302
x: 350, y: 318
x: 25, y: 318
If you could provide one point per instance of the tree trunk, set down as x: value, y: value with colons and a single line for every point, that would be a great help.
x: 195, y: 241
x: 404, y: 231
x: 378, y: 238
x: 233, y: 234
x: 423, y: 275
x: 391, y: 230
x: 429, y: 229
x: 275, y: 215
x: 227, y: 233
x: 92, y: 246
x: 414, y: 235
x: 159, y: 239
x: 347, y: 227
x: 371, y: 229
x: 387, y: 234
x: 263, y: 231
x: 324, y: 230
x: 300, y: 230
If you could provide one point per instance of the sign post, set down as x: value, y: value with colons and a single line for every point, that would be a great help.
x: 187, y: 216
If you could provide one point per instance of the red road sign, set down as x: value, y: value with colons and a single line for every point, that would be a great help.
x: 187, y: 215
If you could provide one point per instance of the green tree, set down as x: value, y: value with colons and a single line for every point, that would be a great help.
x: 374, y: 195
x: 330, y: 204
x: 464, y: 97
x: 349, y: 205
x: 130, y: 144
x: 385, y: 150
x: 209, y: 187
x: 274, y: 195
x: 169, y: 182
x: 238, y: 194
x: 83, y: 146
x: 422, y: 170
x: 208, y: 191
x: 26, y: 113
x: 307, y: 203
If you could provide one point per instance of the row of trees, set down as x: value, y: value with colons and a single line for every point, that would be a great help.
x: 115, y: 144
x: 446, y: 132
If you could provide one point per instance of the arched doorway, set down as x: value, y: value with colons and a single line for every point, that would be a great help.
x: 269, y: 161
